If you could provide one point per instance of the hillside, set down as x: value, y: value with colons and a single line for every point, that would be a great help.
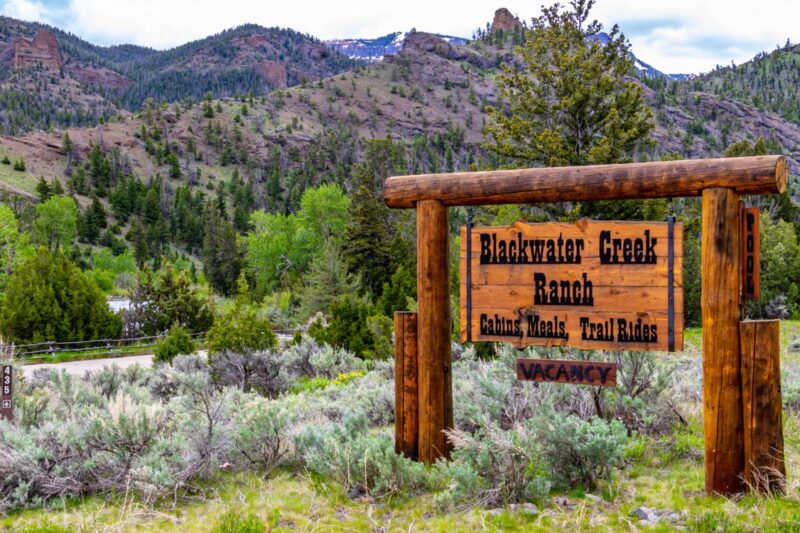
x: 51, y: 78
x: 430, y: 87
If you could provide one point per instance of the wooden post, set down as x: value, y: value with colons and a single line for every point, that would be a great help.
x: 765, y: 469
x: 433, y: 329
x: 406, y: 396
x: 721, y: 306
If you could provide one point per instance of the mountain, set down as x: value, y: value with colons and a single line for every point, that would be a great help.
x: 431, y: 94
x: 50, y: 77
x: 375, y: 49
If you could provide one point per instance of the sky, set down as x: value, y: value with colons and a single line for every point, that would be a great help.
x: 674, y: 36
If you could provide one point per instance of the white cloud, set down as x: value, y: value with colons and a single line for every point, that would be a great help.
x: 672, y: 35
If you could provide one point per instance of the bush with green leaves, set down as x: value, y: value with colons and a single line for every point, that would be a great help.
x: 311, y: 359
x: 240, y: 330
x: 363, y: 462
x: 576, y: 452
x: 495, y: 466
x: 259, y: 371
x: 176, y: 342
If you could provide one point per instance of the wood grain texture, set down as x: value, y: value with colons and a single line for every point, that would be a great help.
x: 622, y: 293
x: 406, y: 390
x: 593, y: 373
x: 765, y: 468
x: 433, y: 330
x: 721, y: 307
x: 660, y: 179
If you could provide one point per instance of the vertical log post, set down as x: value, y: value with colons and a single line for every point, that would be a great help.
x: 721, y: 306
x: 406, y: 403
x: 765, y: 469
x: 433, y: 329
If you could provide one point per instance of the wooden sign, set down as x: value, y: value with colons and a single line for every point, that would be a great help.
x: 597, y: 373
x: 6, y: 407
x: 590, y: 285
x: 751, y: 253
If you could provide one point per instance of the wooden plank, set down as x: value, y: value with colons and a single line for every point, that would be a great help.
x: 399, y: 376
x: 751, y: 253
x: 410, y: 389
x: 721, y: 306
x: 595, y: 373
x: 632, y: 275
x: 607, y: 299
x: 600, y: 331
x: 433, y: 329
x: 765, y: 468
x: 659, y: 179
x: 6, y: 398
x: 557, y: 234
x: 590, y: 279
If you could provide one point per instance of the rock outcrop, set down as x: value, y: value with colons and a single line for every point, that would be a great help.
x: 504, y: 21
x: 41, y: 51
x: 273, y: 73
x: 98, y: 77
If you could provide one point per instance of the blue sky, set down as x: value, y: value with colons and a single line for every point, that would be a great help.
x: 671, y: 35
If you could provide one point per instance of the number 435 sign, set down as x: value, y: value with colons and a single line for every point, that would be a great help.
x: 6, y: 407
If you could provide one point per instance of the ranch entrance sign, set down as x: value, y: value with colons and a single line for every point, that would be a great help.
x: 590, y: 285
x: 741, y: 385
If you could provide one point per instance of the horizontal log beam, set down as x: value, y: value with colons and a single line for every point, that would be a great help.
x: 660, y: 179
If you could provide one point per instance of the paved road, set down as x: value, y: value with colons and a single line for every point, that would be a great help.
x: 78, y: 368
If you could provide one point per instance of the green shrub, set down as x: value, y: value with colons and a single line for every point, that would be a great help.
x: 19, y: 165
x: 176, y: 342
x: 362, y: 462
x: 6, y: 160
x: 347, y: 327
x: 237, y: 522
x: 240, y: 330
x: 577, y: 452
x: 495, y: 466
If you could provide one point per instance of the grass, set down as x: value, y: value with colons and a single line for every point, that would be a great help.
x: 291, y: 502
x: 24, y: 181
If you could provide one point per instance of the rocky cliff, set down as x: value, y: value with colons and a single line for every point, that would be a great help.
x: 41, y: 51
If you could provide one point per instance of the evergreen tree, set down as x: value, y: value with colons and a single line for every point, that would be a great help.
x: 43, y: 189
x: 136, y: 236
x: 367, y: 235
x: 49, y: 299
x: 223, y: 257
x: 328, y: 279
x: 162, y: 300
x: 569, y: 104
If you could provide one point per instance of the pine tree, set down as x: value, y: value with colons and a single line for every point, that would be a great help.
x: 50, y: 299
x: 66, y: 144
x: 367, y: 236
x: 223, y: 257
x: 328, y: 279
x: 569, y: 104
x: 43, y: 189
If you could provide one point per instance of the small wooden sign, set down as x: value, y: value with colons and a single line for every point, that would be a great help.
x: 6, y: 407
x: 596, y: 373
x: 590, y: 285
x: 751, y: 253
